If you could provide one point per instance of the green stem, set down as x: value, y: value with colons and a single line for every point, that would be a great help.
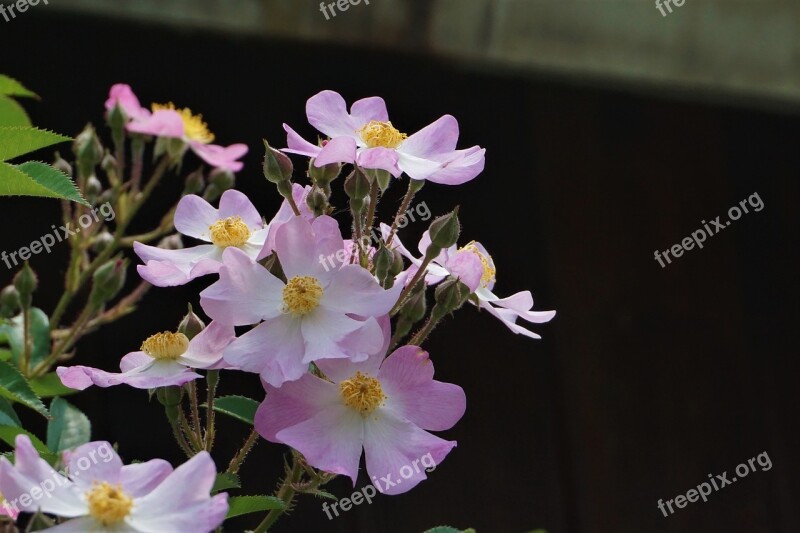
x: 423, y: 268
x: 413, y: 187
x: 212, y: 380
x: 195, y: 406
x: 26, y: 336
x: 286, y: 493
x: 239, y: 458
x: 426, y: 330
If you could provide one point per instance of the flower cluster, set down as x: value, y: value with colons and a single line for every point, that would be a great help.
x: 336, y: 322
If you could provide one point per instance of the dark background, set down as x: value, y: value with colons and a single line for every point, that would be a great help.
x: 648, y: 379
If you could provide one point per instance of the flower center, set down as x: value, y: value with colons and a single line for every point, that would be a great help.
x: 193, y: 126
x: 381, y: 134
x: 108, y: 504
x: 301, y: 295
x: 362, y: 393
x: 489, y: 272
x: 166, y: 345
x: 231, y: 231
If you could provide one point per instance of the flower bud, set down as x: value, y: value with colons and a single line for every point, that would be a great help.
x: 222, y: 179
x: 195, y: 182
x: 116, y: 121
x: 61, y: 164
x: 109, y: 163
x: 451, y: 295
x: 9, y: 301
x: 107, y: 281
x: 102, y: 241
x: 417, y: 304
x: 357, y: 184
x: 383, y: 260
x: 325, y: 174
x: 88, y: 150
x: 26, y: 283
x: 191, y: 324
x: 444, y: 232
x: 277, y: 165
x: 317, y: 202
x: 383, y: 177
x: 93, y: 189
x: 397, y: 263
x: 169, y: 396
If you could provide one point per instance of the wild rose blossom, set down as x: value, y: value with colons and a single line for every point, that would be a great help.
x: 147, y: 497
x: 473, y: 265
x: 236, y: 223
x: 165, y: 359
x: 318, y: 313
x: 383, y: 406
x: 167, y: 121
x: 366, y: 136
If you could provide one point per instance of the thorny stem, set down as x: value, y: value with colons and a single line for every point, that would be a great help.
x: 286, y: 492
x: 413, y: 187
x: 423, y: 268
x: 198, y: 432
x: 240, y: 457
x: 212, y: 379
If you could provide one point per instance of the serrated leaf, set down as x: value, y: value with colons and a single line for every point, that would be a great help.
x: 68, y: 428
x: 241, y: 505
x: 225, y: 481
x: 15, y: 387
x: 13, y: 114
x: 8, y: 434
x: 50, y: 385
x: 37, y: 179
x: 17, y: 141
x: 12, y: 87
x: 8, y: 417
x: 40, y: 336
x: 238, y: 407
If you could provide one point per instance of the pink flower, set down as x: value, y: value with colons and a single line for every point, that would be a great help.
x: 381, y: 405
x: 167, y: 121
x: 318, y: 313
x: 236, y: 223
x: 367, y: 137
x: 165, y: 359
x: 101, y: 494
x: 285, y: 214
x: 473, y: 265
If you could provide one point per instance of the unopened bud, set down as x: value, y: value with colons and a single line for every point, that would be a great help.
x: 397, y: 263
x: 357, y: 185
x: 383, y: 177
x: 169, y: 397
x: 277, y: 165
x: 88, y: 150
x: 61, y: 164
x: 93, y: 189
x: 117, y: 121
x: 325, y: 174
x: 451, y: 295
x: 9, y: 301
x: 107, y: 281
x: 191, y: 324
x: 383, y: 260
x: 317, y: 202
x: 222, y: 179
x: 195, y: 182
x: 444, y: 232
x: 102, y: 241
x: 109, y: 163
x: 416, y: 306
x: 26, y: 283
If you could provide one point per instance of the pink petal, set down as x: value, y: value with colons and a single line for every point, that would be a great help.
x: 246, y: 292
x: 162, y: 123
x: 302, y: 247
x: 392, y: 445
x: 293, y: 402
x: 407, y: 379
x: 205, y: 349
x: 222, y: 157
x: 439, y: 137
x: 354, y: 290
x: 330, y: 441
x: 460, y: 167
x: 141, y: 479
x: 236, y: 204
x: 467, y: 267
x: 152, y: 375
x: 297, y: 145
x: 122, y: 95
x: 327, y: 111
x: 194, y: 217
x: 103, y: 464
x: 368, y: 109
x: 382, y: 158
x: 169, y: 268
x: 337, y: 150
x: 323, y: 329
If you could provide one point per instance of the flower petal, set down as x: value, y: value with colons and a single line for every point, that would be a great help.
x: 354, y: 290
x: 327, y: 111
x: 162, y: 123
x: 382, y: 158
x: 205, y: 349
x: 293, y: 402
x: 194, y: 216
x: 436, y: 138
x: 222, y: 157
x: 368, y: 109
x: 170, y: 268
x: 297, y: 145
x: 236, y: 204
x: 337, y: 150
x: 103, y: 465
x: 140, y: 479
x: 460, y: 167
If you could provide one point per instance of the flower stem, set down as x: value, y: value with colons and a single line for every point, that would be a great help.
x: 212, y: 379
x: 240, y: 457
x: 413, y: 187
x: 423, y: 268
x: 286, y: 492
x: 198, y: 432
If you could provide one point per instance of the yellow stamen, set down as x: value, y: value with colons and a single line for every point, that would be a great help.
x: 108, y: 504
x: 362, y: 393
x: 230, y: 231
x: 166, y: 345
x: 193, y: 126
x: 489, y: 272
x: 381, y: 134
x: 301, y: 295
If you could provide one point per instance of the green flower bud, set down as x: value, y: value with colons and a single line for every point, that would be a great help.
x: 169, y: 396
x: 93, y: 189
x: 191, y: 324
x: 451, y: 295
x: 416, y: 306
x: 195, y: 182
x: 317, y: 202
x: 325, y: 174
x: 357, y: 184
x: 26, y: 283
x: 9, y: 301
x: 61, y: 164
x: 107, y: 281
x: 444, y: 232
x: 88, y: 150
x: 398, y: 264
x: 102, y: 241
x: 277, y: 165
x: 383, y: 261
x: 222, y: 179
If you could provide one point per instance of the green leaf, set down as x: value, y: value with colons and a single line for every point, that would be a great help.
x: 12, y: 87
x: 40, y: 336
x: 13, y: 114
x: 37, y: 179
x: 225, y: 481
x: 8, y: 417
x: 8, y: 434
x: 50, y: 385
x: 17, y: 141
x: 68, y: 428
x: 238, y: 407
x: 5, y: 355
x: 13, y: 386
x: 241, y: 505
